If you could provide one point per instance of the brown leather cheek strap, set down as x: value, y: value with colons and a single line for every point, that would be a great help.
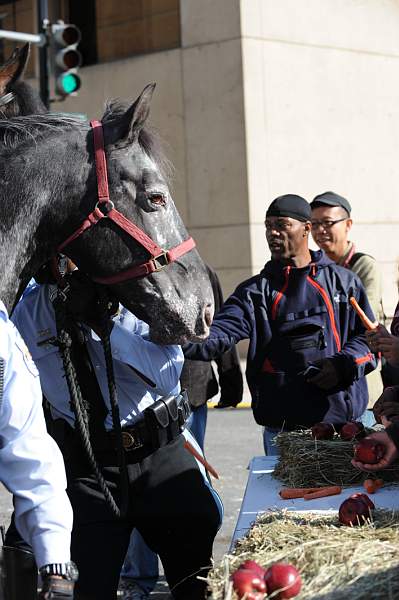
x: 105, y: 209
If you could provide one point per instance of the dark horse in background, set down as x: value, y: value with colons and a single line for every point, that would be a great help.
x: 49, y: 186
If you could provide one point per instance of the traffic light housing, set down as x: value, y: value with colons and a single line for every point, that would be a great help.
x: 65, y: 58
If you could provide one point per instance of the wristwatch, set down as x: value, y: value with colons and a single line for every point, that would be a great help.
x: 67, y: 571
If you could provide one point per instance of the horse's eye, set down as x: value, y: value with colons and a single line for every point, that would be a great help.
x: 157, y: 198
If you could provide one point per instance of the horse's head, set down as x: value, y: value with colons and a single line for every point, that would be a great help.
x: 177, y: 300
x: 16, y: 96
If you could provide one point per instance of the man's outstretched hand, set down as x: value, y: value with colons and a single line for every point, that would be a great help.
x: 391, y: 453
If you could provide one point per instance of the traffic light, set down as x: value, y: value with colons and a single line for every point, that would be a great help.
x: 66, y: 58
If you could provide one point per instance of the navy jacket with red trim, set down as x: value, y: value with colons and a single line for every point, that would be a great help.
x: 295, y: 317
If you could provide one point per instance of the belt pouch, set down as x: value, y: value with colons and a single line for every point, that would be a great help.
x: 157, y: 420
x: 183, y: 409
x: 174, y: 427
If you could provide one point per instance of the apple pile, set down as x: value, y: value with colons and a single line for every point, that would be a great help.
x: 355, y: 510
x: 254, y: 582
x: 352, y: 430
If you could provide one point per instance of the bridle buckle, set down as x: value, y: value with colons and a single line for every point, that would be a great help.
x: 130, y: 441
x: 161, y: 261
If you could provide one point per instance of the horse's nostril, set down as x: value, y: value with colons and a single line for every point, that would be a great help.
x: 208, y: 315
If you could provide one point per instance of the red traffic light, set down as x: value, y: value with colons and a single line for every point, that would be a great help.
x: 66, y: 35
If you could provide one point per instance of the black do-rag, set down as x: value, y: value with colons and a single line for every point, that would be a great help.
x: 290, y: 205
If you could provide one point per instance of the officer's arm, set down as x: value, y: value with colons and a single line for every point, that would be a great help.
x: 31, y: 463
x: 157, y: 366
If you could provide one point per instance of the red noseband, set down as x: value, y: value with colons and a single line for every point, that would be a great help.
x: 105, y: 209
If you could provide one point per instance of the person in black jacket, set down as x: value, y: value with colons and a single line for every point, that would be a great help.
x: 199, y: 379
x: 307, y: 354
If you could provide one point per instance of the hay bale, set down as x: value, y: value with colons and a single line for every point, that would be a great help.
x: 336, y: 562
x: 305, y: 462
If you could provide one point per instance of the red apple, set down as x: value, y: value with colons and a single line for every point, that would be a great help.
x: 369, y: 451
x: 365, y: 499
x: 252, y: 565
x: 354, y: 511
x: 351, y: 431
x: 283, y: 577
x: 247, y: 583
x: 323, y: 431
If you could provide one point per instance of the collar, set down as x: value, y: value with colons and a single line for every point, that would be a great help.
x: 347, y: 257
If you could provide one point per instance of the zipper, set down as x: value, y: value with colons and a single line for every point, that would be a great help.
x: 322, y: 340
x: 330, y: 310
x: 280, y: 294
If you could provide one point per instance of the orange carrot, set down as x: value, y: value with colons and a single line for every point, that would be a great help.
x: 370, y: 486
x: 379, y: 483
x: 322, y: 492
x: 362, y: 315
x: 201, y: 459
x: 292, y: 493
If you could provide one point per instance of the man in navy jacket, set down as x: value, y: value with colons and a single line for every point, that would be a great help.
x: 307, y: 354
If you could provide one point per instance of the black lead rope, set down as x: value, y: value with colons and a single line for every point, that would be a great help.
x: 79, y: 406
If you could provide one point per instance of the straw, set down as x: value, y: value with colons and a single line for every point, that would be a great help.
x: 336, y: 562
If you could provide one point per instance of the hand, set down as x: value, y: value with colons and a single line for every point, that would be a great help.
x: 328, y: 377
x: 231, y: 387
x: 389, y: 348
x: 56, y: 587
x: 387, y: 405
x: 379, y: 337
x: 391, y: 453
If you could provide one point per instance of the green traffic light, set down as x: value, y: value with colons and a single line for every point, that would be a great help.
x: 70, y: 83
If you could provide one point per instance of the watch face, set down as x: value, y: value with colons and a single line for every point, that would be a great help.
x: 72, y: 571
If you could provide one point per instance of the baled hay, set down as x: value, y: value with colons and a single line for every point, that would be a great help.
x: 336, y: 562
x: 305, y: 462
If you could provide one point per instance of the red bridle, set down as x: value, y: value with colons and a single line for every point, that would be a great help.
x: 105, y: 209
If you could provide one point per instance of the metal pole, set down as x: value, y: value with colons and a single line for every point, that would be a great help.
x: 34, y: 38
x: 43, y: 20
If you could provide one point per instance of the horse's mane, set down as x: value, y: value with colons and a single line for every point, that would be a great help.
x: 21, y: 129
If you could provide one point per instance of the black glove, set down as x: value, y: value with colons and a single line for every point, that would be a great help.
x: 56, y: 588
x: 82, y: 300
x: 231, y: 388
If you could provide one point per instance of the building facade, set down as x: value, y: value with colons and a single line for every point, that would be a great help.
x: 255, y: 98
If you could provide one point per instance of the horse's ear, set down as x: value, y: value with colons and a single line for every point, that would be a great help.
x: 132, y: 121
x: 13, y: 69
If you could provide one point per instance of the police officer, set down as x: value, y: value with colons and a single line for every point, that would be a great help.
x: 31, y: 467
x: 170, y: 500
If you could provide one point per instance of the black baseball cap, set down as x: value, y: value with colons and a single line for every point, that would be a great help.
x: 290, y: 205
x: 331, y: 199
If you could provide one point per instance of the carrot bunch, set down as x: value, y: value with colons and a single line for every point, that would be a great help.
x: 309, y: 493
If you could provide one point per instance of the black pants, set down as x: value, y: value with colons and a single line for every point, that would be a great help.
x: 169, y: 503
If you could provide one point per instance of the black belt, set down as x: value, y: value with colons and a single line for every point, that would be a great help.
x: 162, y: 422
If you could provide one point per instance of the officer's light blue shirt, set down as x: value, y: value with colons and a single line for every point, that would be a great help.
x: 31, y: 465
x: 131, y: 349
